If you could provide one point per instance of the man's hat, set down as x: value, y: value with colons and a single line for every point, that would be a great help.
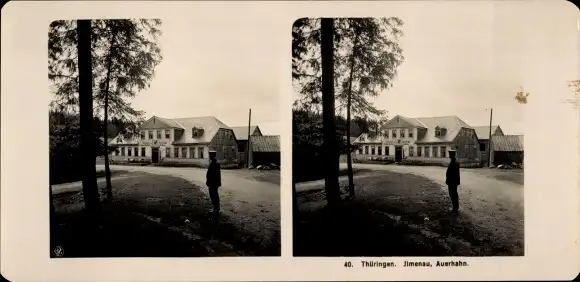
x: 212, y: 152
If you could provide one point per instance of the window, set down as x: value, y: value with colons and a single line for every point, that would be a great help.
x: 386, y: 134
x: 380, y: 153
x: 142, y: 134
x: 443, y: 152
x: 394, y: 133
x: 360, y: 150
x: 191, y: 152
x: 167, y: 134
x: 200, y: 152
x: 176, y: 153
x: 366, y: 150
x: 482, y: 146
x: 122, y: 151
x: 402, y: 131
x: 387, y: 150
x: 158, y: 134
x: 427, y: 151
x: 419, y: 149
x: 411, y: 132
x: 129, y: 151
x: 372, y: 150
x: 143, y: 152
x: 437, y: 133
x: 183, y: 153
x: 411, y: 151
x: 168, y: 152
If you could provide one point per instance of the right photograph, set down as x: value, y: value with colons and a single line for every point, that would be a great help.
x: 408, y: 135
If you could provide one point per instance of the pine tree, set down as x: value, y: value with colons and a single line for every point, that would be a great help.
x: 366, y: 56
x: 125, y: 54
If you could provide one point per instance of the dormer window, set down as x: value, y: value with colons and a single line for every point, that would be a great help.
x: 196, y: 132
x: 440, y: 131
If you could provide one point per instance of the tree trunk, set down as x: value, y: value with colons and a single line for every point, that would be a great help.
x: 87, y: 144
x: 109, y: 188
x: 348, y: 105
x: 331, y: 154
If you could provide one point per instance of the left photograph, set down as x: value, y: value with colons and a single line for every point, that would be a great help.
x: 164, y: 138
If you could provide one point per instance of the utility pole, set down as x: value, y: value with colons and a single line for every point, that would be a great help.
x: 248, y: 146
x: 489, y: 145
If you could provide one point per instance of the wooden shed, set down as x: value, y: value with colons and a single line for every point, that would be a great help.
x: 507, y: 149
x: 265, y: 150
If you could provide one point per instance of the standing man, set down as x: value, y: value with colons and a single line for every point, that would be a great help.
x: 213, y: 182
x: 453, y: 180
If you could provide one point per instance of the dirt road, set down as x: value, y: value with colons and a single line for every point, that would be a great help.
x: 250, y: 204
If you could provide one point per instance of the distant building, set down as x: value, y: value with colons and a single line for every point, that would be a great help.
x: 179, y: 141
x: 507, y: 149
x: 427, y: 140
x: 483, y: 136
x: 265, y: 150
x: 241, y: 134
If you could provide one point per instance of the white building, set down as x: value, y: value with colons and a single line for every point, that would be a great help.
x: 425, y: 140
x: 178, y: 141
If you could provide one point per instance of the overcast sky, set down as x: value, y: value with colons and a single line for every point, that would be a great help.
x: 216, y: 66
x: 461, y: 60
x: 464, y: 57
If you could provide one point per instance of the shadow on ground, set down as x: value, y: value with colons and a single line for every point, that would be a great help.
x: 149, y: 216
x: 399, y: 215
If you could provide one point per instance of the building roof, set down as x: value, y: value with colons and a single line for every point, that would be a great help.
x: 241, y: 132
x: 483, y: 131
x: 414, y: 121
x: 211, y: 125
x: 507, y: 143
x: 265, y: 143
x: 170, y: 122
x: 453, y: 125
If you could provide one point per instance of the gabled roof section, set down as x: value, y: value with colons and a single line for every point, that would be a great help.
x: 121, y: 140
x: 507, y: 143
x: 211, y: 125
x: 241, y: 132
x: 452, y: 124
x: 400, y: 121
x: 266, y: 143
x: 156, y: 122
x: 369, y: 138
x: 483, y: 131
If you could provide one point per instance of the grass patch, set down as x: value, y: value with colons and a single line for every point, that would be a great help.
x: 270, y: 176
x: 74, y: 177
x: 341, y: 173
